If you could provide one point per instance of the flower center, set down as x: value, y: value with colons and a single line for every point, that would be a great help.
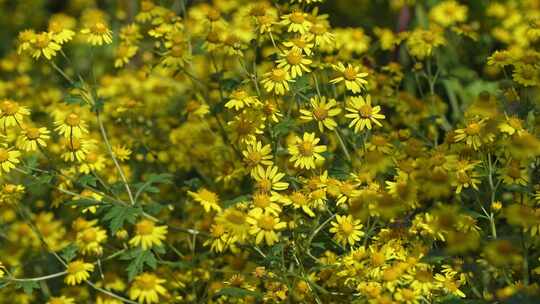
x: 473, y: 129
x: 261, y: 200
x: 89, y: 235
x: 217, y: 231
x: 305, y: 148
x: 320, y: 113
x: 144, y: 227
x: 297, y: 17
x: 147, y: 6
x: 72, y: 120
x: 264, y: 184
x: 42, y: 40
x: 266, y: 222
x: 99, y: 28
x: 347, y: 228
x: 294, y: 57
x: 365, y: 111
x: 4, y: 155
x: 214, y: 15
x: 146, y: 282
x: 177, y: 51
x: 75, y: 267
x: 349, y: 73
x: 9, y: 107
x: 32, y: 133
x: 278, y: 75
x: 236, y: 217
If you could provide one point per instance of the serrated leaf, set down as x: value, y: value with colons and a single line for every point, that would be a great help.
x: 117, y: 215
x: 139, y: 258
x: 27, y: 286
x: 87, y: 180
x: 69, y: 252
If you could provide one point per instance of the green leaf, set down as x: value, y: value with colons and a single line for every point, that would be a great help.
x: 139, y: 258
x: 283, y: 127
x: 238, y: 292
x: 69, y: 252
x: 236, y: 200
x: 88, y: 180
x: 117, y: 215
x: 27, y: 286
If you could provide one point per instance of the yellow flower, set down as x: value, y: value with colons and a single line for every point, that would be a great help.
x: 322, y: 112
x: 76, y: 149
x: 59, y: 29
x: 266, y: 202
x: 147, y: 288
x: 31, y: 138
x: 124, y: 52
x: 269, y: 179
x: 363, y: 114
x: 448, y: 13
x: 256, y: 155
x: 421, y: 43
x: 473, y: 134
x: 264, y: 226
x: 526, y: 74
x: 240, y: 99
x: 148, y: 235
x: 296, y: 21
x: 8, y: 159
x: 305, y: 151
x: 347, y: 230
x: 303, y: 43
x: 11, y: 113
x: 78, y: 271
x: 43, y: 44
x: 208, y: 199
x: 299, y: 200
x: 354, y: 79
x: 277, y: 81
x: 90, y: 239
x: 61, y: 300
x: 294, y: 62
x: 98, y: 34
x: 121, y: 152
x: 72, y: 126
x: 2, y: 268
x: 466, y: 176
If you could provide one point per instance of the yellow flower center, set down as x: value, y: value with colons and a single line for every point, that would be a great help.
x: 297, y: 17
x: 147, y: 6
x: 473, y: 129
x: 305, y: 148
x: 144, y: 227
x: 463, y: 178
x: 42, y: 40
x: 299, y: 43
x: 266, y: 222
x: 236, y: 217
x: 318, y: 29
x: 278, y: 75
x: 294, y: 57
x: 74, y: 144
x: 213, y: 37
x: 4, y: 155
x: 365, y: 111
x: 10, y: 188
x: 239, y: 94
x: 72, y: 120
x: 347, y: 228
x: 261, y: 200
x: 264, y: 184
x: 298, y: 199
x: 217, y: 231
x: 320, y: 113
x: 350, y: 73
x: 32, y: 133
x: 99, y: 28
x: 146, y: 282
x: 89, y: 235
x: 75, y: 267
x: 9, y: 107
x: 254, y: 158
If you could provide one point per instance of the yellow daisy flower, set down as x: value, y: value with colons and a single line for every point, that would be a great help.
x: 264, y: 226
x: 240, y: 99
x: 363, y: 114
x: 31, y: 138
x: 322, y: 112
x: 305, y: 151
x: 269, y: 179
x: 77, y: 272
x: 256, y: 155
x: 72, y: 126
x: 347, y: 230
x: 11, y: 113
x: 43, y: 44
x: 208, y: 199
x: 296, y: 22
x: 277, y: 81
x: 146, y: 288
x: 354, y: 79
x: 98, y: 34
x: 90, y: 239
x: 8, y: 159
x: 148, y: 235
x: 61, y: 300
x: 294, y: 62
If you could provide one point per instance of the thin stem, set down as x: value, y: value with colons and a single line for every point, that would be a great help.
x: 343, y: 146
x: 59, y: 70
x: 37, y: 279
